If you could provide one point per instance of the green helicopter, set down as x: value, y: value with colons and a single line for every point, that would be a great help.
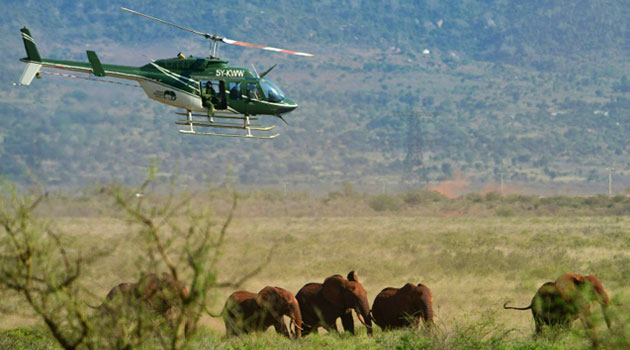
x: 214, y: 96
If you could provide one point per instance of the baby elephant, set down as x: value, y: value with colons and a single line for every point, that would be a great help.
x: 245, y: 312
x: 403, y: 307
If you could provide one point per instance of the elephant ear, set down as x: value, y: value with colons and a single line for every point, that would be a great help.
x: 270, y: 299
x: 408, y: 294
x: 332, y: 291
x: 598, y: 287
x: 407, y: 288
x: 566, y: 285
x: 352, y: 276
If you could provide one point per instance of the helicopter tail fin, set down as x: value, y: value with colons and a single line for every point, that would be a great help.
x: 33, y: 59
x: 29, y: 44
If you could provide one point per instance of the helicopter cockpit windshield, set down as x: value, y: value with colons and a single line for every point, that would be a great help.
x: 271, y: 90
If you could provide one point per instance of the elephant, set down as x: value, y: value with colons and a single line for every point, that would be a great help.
x: 245, y: 312
x: 322, y: 303
x: 568, y: 298
x: 163, y: 295
x: 403, y: 307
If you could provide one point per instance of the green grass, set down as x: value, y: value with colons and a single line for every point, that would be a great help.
x: 26, y: 339
x: 464, y: 337
x: 472, y: 263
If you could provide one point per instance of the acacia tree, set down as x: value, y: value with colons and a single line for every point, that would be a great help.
x: 181, y: 239
x: 181, y: 242
x: 35, y: 264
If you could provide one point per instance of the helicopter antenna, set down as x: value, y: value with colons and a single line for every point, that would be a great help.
x: 216, y: 38
x: 255, y: 71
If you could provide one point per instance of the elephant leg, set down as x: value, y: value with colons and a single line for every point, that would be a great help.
x: 281, y: 327
x: 348, y: 322
x: 229, y: 332
x: 538, y: 321
x: 590, y: 328
x: 306, y: 329
x: 330, y: 326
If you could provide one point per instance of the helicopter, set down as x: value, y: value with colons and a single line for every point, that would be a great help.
x: 215, y: 97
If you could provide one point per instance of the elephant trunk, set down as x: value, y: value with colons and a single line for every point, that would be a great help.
x: 606, y: 313
x: 364, y: 315
x: 296, y: 318
x: 428, y: 313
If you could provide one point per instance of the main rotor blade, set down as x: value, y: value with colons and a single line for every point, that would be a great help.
x: 240, y: 43
x: 205, y: 35
x: 218, y: 38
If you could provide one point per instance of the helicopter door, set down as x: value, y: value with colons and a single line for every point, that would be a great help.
x: 253, y: 96
x: 213, y: 91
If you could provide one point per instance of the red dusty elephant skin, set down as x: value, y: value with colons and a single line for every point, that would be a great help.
x: 245, y: 312
x: 403, y: 307
x: 322, y: 303
x: 160, y: 294
x: 570, y: 297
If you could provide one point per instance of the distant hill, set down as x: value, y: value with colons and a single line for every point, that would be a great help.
x: 535, y: 90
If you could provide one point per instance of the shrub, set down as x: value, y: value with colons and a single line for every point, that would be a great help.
x: 422, y: 196
x: 505, y: 212
x: 383, y: 202
x: 493, y: 196
x: 474, y: 197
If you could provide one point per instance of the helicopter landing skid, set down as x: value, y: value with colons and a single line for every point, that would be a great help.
x: 209, y: 122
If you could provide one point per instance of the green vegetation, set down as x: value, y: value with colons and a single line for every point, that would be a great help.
x: 43, y: 272
x: 26, y: 339
x: 535, y: 92
x: 471, y: 256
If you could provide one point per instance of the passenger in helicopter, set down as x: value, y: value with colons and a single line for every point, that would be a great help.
x: 209, y: 96
x: 252, y: 91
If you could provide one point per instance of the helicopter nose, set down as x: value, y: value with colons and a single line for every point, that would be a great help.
x: 287, y: 107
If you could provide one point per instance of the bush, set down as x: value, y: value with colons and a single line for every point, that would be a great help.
x: 422, y: 196
x: 384, y: 202
x: 493, y: 196
x: 474, y: 197
x: 505, y: 212
x: 599, y: 201
x: 563, y: 201
x: 520, y: 198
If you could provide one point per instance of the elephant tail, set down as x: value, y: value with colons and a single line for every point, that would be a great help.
x: 516, y: 308
x: 220, y: 314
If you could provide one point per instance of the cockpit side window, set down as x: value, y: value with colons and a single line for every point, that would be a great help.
x: 235, y: 90
x: 252, y: 91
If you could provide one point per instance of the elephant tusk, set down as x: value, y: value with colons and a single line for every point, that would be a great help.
x: 360, y: 317
x: 296, y: 325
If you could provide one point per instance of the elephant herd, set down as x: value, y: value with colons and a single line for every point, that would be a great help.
x: 321, y: 304
x: 316, y: 305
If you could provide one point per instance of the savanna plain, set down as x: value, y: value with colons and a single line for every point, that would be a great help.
x: 474, y: 252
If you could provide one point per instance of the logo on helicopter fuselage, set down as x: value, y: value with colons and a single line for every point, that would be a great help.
x: 165, y: 95
x: 235, y: 73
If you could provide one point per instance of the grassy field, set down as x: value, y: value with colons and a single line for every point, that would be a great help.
x: 473, y: 260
